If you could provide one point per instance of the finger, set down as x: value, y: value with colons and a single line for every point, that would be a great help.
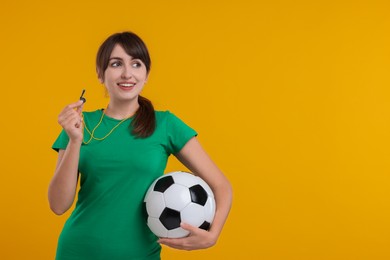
x: 178, y: 243
x: 65, y: 115
x: 75, y: 105
x: 69, y: 124
x: 189, y: 227
x: 70, y: 121
x: 171, y: 242
x: 79, y: 109
x: 79, y: 124
x: 69, y: 109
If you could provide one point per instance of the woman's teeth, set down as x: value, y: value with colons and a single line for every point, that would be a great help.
x: 128, y: 85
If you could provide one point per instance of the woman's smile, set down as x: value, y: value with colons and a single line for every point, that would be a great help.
x: 126, y: 85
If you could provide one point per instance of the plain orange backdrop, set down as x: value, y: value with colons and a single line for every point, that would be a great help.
x: 290, y: 98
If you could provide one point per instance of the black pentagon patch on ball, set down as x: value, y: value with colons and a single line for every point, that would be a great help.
x: 163, y: 184
x: 170, y: 218
x: 198, y: 195
x: 205, y: 226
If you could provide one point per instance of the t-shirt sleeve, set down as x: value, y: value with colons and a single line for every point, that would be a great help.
x: 61, y: 142
x: 178, y: 133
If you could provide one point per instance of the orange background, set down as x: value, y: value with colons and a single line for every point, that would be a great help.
x: 290, y: 98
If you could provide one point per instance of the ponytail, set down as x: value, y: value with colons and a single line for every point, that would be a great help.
x: 144, y: 122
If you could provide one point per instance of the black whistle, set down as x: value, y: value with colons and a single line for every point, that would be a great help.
x: 83, y: 98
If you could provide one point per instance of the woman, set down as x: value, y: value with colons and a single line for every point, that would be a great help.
x: 118, y: 152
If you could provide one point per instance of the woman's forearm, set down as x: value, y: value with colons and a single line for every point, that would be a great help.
x: 62, y: 188
x: 223, y: 200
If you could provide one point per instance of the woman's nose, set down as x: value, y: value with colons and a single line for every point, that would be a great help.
x: 127, y: 72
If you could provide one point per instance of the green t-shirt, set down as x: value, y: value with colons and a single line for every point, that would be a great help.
x: 109, y: 220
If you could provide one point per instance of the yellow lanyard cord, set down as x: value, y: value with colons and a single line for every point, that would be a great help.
x: 93, y: 130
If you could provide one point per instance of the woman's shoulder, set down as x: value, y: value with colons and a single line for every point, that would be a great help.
x: 169, y: 118
x: 161, y: 114
x: 163, y: 117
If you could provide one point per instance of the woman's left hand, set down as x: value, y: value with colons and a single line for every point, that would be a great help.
x: 197, y: 239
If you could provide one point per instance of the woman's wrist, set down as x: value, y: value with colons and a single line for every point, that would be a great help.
x: 75, y: 142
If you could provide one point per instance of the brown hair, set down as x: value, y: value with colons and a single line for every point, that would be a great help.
x: 144, y: 122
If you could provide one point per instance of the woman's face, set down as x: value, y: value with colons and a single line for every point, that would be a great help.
x: 124, y: 77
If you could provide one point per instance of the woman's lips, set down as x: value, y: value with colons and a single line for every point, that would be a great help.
x: 126, y: 86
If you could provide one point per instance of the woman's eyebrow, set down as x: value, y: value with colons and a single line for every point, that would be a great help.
x: 118, y: 58
x: 115, y: 58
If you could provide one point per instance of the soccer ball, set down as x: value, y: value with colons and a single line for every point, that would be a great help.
x: 178, y: 197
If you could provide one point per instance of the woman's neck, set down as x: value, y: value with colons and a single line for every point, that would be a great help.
x: 119, y: 110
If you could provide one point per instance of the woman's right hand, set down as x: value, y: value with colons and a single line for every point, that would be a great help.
x: 71, y: 121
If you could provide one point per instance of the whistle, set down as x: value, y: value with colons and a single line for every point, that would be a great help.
x: 83, y: 98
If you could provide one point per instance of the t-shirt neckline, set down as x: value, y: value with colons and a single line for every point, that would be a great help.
x: 113, y: 119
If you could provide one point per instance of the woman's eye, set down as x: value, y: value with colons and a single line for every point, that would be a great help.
x: 137, y: 65
x: 115, y: 64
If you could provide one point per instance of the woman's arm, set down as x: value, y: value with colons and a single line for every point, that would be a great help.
x: 193, y: 156
x: 62, y: 188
